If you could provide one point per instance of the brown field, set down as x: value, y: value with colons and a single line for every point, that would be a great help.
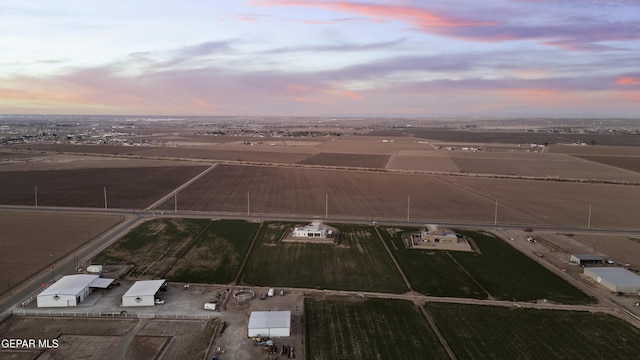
x: 127, y: 188
x: 371, y: 145
x: 538, y: 165
x: 513, y: 163
x: 109, y: 338
x: 262, y: 153
x: 595, y: 150
x: 436, y: 161
x: 30, y: 242
x: 510, y: 137
x: 348, y: 160
x: 366, y: 194
x: 631, y: 163
x: 40, y: 161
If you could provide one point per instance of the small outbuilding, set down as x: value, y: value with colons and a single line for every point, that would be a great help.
x: 71, y: 290
x: 143, y: 293
x: 269, y: 323
x: 583, y: 259
x: 616, y: 279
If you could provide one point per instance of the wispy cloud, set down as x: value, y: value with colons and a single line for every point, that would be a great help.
x: 569, y: 33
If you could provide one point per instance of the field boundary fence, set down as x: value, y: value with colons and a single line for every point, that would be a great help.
x: 120, y: 315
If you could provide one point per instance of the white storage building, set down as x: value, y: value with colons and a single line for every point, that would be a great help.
x: 269, y: 323
x: 71, y: 290
x: 615, y: 279
x: 143, y: 293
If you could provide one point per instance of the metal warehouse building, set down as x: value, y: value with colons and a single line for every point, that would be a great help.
x: 71, y: 290
x: 269, y: 323
x: 142, y: 293
x: 615, y: 279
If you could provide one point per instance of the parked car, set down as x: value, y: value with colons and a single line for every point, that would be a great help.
x: 158, y: 301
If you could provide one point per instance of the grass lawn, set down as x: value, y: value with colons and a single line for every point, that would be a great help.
x: 359, y: 262
x: 491, y: 332
x: 430, y: 272
x: 369, y: 329
x: 508, y: 274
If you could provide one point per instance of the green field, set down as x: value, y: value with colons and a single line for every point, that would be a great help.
x: 508, y: 274
x: 430, y: 272
x: 498, y: 271
x: 186, y: 250
x: 369, y: 329
x: 489, y: 332
x: 216, y: 255
x: 359, y: 262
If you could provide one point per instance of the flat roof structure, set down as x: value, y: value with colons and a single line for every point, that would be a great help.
x: 269, y: 323
x: 144, y: 288
x: 101, y: 283
x: 616, y: 279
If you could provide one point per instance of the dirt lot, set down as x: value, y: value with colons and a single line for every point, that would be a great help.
x: 32, y: 241
x: 96, y: 338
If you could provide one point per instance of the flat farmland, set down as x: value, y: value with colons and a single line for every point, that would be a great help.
x: 369, y: 329
x: 488, y: 332
x: 538, y: 165
x: 631, y: 163
x: 427, y: 270
x: 91, y: 338
x: 366, y: 194
x: 507, y: 274
x: 216, y: 255
x: 595, y: 150
x: 517, y: 164
x: 423, y: 160
x: 359, y: 262
x: 153, y: 246
x: 184, y: 250
x: 348, y: 160
x: 238, y: 153
x: 31, y: 242
x: 127, y: 188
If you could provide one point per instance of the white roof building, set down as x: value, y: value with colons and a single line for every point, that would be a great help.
x: 71, y: 290
x: 142, y: 293
x: 269, y: 323
x: 315, y: 229
x: 615, y: 279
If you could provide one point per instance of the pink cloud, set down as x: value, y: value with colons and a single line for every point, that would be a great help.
x: 628, y: 81
x: 410, y: 14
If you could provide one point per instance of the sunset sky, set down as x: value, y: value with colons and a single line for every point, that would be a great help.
x: 555, y: 58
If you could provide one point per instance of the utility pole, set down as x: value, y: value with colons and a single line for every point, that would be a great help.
x: 248, y: 212
x: 408, y: 206
x: 495, y: 218
x: 175, y: 202
x: 326, y: 205
x: 36, y: 193
x: 589, y: 219
x: 105, y: 197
